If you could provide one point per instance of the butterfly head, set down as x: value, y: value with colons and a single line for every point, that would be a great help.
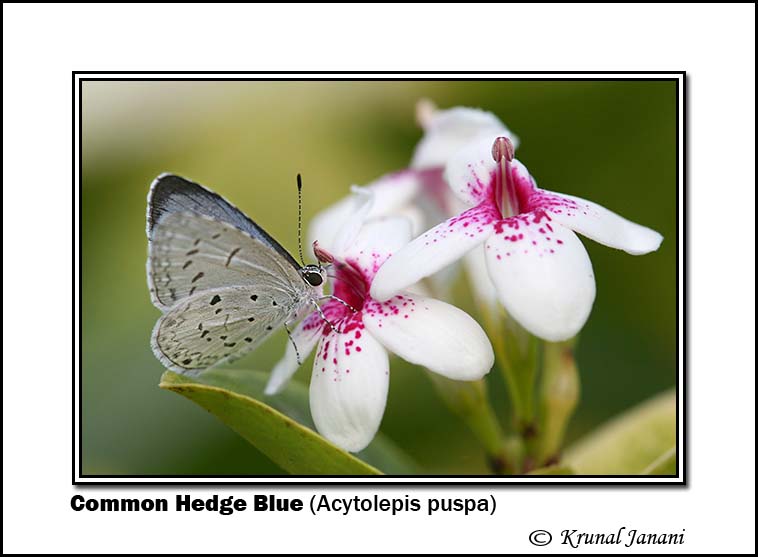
x: 314, y: 275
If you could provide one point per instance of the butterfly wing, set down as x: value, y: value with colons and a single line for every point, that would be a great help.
x: 217, y: 326
x: 190, y: 254
x: 199, y: 241
x: 222, y: 282
x: 173, y: 194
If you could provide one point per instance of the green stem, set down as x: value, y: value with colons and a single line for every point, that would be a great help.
x: 518, y: 355
x: 559, y: 395
x: 469, y: 401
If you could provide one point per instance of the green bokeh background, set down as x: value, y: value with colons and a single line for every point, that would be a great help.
x: 613, y: 142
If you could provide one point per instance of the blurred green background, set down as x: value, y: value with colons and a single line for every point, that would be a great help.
x: 613, y: 142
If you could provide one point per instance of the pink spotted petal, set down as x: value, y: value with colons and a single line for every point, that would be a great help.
x: 543, y: 276
x: 431, y: 333
x: 305, y: 336
x: 348, y: 389
x: 434, y: 250
x: 470, y: 171
x: 604, y: 226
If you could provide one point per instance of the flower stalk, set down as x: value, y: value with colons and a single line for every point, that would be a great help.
x: 559, y: 396
x: 470, y: 402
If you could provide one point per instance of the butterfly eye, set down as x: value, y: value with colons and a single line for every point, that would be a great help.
x: 312, y: 275
x: 314, y: 278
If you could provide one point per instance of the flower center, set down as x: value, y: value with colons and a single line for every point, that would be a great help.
x: 506, y: 197
x: 350, y: 285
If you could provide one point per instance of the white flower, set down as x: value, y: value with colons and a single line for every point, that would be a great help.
x: 419, y: 192
x: 350, y: 378
x: 539, y: 267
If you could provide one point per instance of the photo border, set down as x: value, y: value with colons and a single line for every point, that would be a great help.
x: 678, y: 479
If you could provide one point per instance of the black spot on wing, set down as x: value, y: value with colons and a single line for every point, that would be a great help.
x: 216, y: 299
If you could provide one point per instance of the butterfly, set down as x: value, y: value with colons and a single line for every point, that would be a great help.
x: 223, y: 284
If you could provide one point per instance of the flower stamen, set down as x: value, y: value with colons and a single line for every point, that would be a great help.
x: 505, y: 190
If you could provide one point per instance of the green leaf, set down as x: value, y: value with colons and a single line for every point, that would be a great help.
x: 281, y: 426
x: 639, y: 441
x: 555, y: 470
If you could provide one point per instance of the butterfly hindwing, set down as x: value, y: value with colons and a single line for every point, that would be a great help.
x: 217, y: 326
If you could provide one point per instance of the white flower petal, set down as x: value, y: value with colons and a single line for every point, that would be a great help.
x: 479, y: 278
x: 433, y: 250
x: 416, y: 218
x: 449, y: 130
x: 348, y: 232
x: 431, y: 333
x: 392, y: 192
x: 305, y: 336
x: 376, y: 241
x: 391, y: 195
x: 606, y: 227
x: 349, y: 386
x: 327, y: 223
x: 543, y: 276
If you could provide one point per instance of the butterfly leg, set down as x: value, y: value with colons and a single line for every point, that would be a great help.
x: 294, y: 345
x: 323, y: 317
x: 340, y: 300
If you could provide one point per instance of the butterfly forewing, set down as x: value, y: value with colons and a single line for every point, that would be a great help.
x: 192, y: 253
x: 173, y: 194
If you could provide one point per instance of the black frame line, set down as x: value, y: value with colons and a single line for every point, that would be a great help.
x: 677, y: 480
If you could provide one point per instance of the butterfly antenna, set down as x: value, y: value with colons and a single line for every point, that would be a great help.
x: 300, y: 219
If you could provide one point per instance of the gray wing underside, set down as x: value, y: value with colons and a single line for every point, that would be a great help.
x: 190, y: 254
x: 170, y: 193
x: 217, y: 326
